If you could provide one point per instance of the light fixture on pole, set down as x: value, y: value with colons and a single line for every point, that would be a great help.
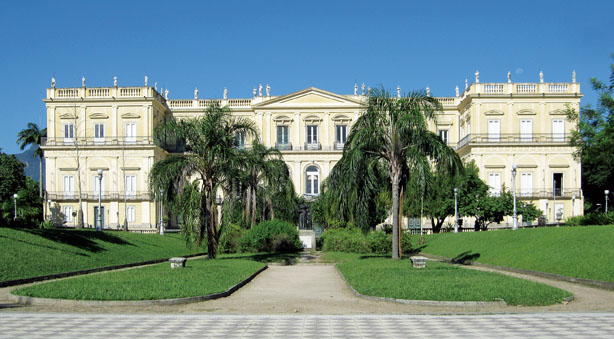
x: 455, y: 210
x: 573, y: 200
x: 15, y: 196
x: 99, y: 223
x: 161, y: 225
x: 606, y: 199
x: 554, y: 201
x: 515, y: 216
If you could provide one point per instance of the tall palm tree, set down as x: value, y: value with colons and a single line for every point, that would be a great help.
x: 190, y: 180
x: 32, y: 135
x: 394, y: 133
x: 264, y: 171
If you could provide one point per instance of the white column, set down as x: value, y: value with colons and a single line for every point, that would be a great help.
x: 297, y: 130
x: 51, y: 122
x: 326, y: 133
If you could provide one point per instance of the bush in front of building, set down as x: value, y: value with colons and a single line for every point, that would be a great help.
x: 353, y: 240
x: 229, y: 240
x: 271, y: 236
x: 591, y: 219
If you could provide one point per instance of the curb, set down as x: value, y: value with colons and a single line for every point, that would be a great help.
x: 606, y: 285
x: 87, y: 271
x: 175, y: 301
x: 421, y: 302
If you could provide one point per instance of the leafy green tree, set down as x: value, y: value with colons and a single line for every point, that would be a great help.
x: 32, y: 136
x: 13, y: 180
x: 12, y: 177
x: 190, y: 180
x: 594, y: 140
x: 394, y: 133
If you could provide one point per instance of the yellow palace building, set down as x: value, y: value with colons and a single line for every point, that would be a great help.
x: 111, y: 129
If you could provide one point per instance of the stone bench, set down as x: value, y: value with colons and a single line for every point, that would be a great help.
x: 418, y: 262
x: 177, y: 262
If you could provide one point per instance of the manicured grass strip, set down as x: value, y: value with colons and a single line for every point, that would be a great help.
x: 27, y: 253
x: 200, y: 277
x: 580, y: 252
x: 383, y: 277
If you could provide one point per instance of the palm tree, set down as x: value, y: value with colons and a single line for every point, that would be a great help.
x: 190, y: 180
x: 264, y: 172
x: 32, y: 135
x: 394, y: 133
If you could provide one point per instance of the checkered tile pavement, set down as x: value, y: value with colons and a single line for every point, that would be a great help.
x: 547, y: 325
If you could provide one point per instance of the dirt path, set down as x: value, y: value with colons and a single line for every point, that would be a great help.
x: 319, y: 289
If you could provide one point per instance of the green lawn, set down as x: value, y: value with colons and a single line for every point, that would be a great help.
x: 581, y: 252
x: 199, y: 277
x: 384, y: 277
x: 26, y: 253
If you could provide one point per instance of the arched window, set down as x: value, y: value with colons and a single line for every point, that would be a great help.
x: 313, y: 181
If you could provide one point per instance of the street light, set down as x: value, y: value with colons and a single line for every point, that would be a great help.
x: 161, y: 226
x: 554, y: 202
x: 606, y: 200
x: 15, y: 196
x: 515, y: 216
x: 455, y: 210
x: 573, y: 200
x: 99, y: 223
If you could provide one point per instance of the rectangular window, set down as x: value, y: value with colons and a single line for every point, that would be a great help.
x: 494, y: 181
x: 67, y: 211
x: 69, y: 133
x: 69, y: 186
x: 99, y: 133
x: 526, y: 184
x: 312, y: 134
x: 558, y: 130
x: 443, y: 134
x: 130, y: 132
x: 130, y: 184
x: 282, y: 135
x: 341, y: 133
x: 131, y: 213
x: 240, y: 140
x: 526, y: 130
x: 494, y: 130
x: 98, y: 185
x: 557, y: 184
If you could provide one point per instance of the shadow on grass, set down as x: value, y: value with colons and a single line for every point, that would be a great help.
x: 282, y: 258
x: 466, y: 258
x: 85, y: 240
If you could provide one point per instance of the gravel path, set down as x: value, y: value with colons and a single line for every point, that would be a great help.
x: 319, y: 289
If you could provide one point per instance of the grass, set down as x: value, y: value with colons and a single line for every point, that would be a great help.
x: 581, y: 252
x: 384, y: 277
x: 34, y: 252
x: 199, y: 277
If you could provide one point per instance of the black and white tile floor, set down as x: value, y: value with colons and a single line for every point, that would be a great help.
x: 546, y: 325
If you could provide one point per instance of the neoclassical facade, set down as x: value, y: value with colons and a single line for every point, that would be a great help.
x: 112, y: 129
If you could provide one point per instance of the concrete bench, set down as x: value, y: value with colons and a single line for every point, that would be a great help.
x: 418, y: 262
x: 177, y: 262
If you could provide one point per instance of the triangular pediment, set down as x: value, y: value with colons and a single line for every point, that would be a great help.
x: 310, y: 97
x: 68, y: 116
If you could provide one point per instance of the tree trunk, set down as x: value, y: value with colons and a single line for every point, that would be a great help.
x: 253, y: 216
x: 401, y: 222
x: 395, y: 215
x: 248, y: 201
x: 436, y: 225
x: 271, y: 210
x: 208, y: 222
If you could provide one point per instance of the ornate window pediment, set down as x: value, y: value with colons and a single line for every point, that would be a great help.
x: 312, y: 119
x: 526, y: 112
x: 494, y: 112
x: 99, y: 116
x: 70, y: 116
x: 130, y: 115
x: 341, y: 118
x: 282, y: 120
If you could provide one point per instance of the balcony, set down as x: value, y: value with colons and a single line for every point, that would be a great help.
x: 567, y: 193
x: 93, y: 141
x: 513, y: 138
x: 313, y: 146
x: 339, y: 145
x: 287, y: 146
x: 104, y: 196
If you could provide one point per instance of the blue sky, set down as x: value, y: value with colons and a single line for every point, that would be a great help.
x: 290, y: 45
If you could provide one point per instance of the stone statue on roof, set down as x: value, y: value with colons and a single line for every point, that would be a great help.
x: 268, y: 90
x: 196, y: 93
x: 477, y: 77
x: 225, y: 93
x: 146, y: 80
x: 115, y: 81
x: 509, y: 77
x: 52, y: 82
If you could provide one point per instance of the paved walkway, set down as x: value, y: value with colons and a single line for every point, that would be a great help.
x: 566, y: 325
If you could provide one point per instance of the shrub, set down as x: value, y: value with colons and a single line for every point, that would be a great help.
x: 46, y: 225
x: 349, y: 240
x: 271, y: 236
x: 591, y: 219
x: 229, y: 240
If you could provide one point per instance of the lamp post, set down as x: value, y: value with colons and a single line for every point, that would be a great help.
x: 99, y: 216
x: 573, y: 200
x: 554, y: 202
x: 547, y: 211
x: 15, y: 196
x: 455, y: 210
x: 606, y: 200
x: 161, y: 225
x: 515, y: 216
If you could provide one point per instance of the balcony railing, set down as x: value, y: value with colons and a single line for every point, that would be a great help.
x: 283, y: 146
x: 103, y: 93
x: 521, y: 138
x: 93, y: 141
x: 105, y: 196
x: 548, y: 193
x: 312, y: 146
x: 339, y: 145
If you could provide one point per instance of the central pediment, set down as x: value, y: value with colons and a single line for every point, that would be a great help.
x: 311, y: 97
